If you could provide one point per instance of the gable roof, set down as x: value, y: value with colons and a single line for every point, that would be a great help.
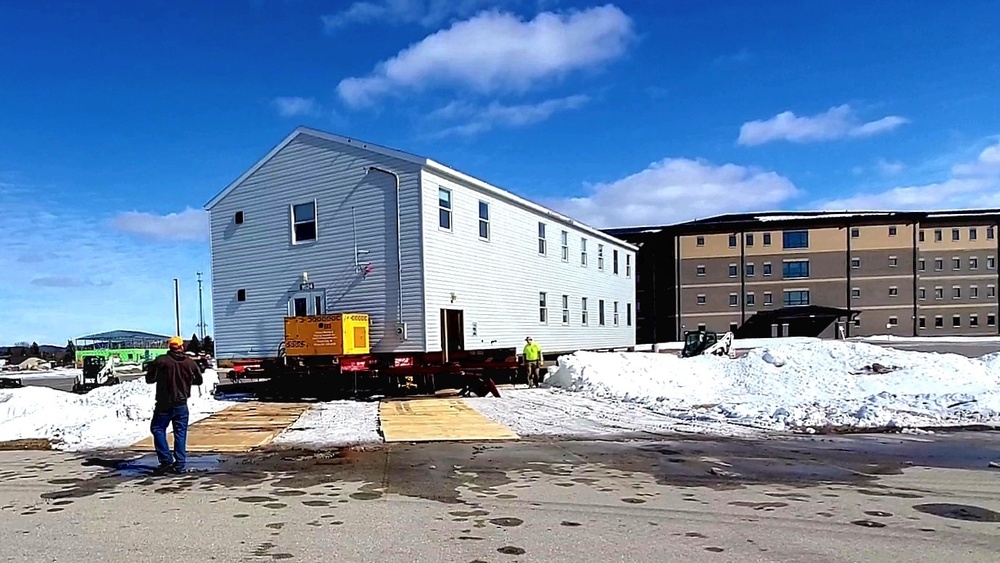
x: 125, y: 336
x: 424, y: 162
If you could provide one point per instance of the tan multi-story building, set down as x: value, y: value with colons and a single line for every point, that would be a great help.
x: 899, y: 273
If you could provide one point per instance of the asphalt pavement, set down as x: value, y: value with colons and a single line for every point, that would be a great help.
x: 65, y: 383
x: 870, y: 498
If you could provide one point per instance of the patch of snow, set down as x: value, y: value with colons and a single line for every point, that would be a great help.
x: 58, y: 373
x: 795, y: 385
x: 738, y: 343
x: 333, y: 424
x: 556, y: 412
x: 115, y: 416
x: 928, y: 339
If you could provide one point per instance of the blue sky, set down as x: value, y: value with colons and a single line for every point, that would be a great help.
x: 119, y: 120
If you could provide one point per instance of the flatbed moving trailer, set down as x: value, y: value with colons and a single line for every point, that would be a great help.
x: 330, y: 355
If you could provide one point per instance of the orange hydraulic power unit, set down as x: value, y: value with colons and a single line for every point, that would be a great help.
x: 341, y: 334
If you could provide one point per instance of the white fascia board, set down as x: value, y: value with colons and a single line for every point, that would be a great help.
x: 439, y: 168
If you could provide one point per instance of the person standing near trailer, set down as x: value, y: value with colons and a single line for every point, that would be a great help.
x: 533, y: 361
x: 173, y: 373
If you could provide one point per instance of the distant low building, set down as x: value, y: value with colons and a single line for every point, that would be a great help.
x: 127, y: 345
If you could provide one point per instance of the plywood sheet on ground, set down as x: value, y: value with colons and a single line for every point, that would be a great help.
x: 436, y: 419
x: 238, y: 428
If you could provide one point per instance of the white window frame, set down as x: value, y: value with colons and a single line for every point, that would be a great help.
x: 600, y: 257
x: 750, y: 300
x: 768, y: 298
x: 543, y: 247
x: 855, y: 293
x: 956, y: 292
x: 565, y: 309
x: 628, y: 265
x: 564, y: 239
x: 749, y: 270
x: 893, y: 262
x: 584, y: 320
x: 614, y: 261
x: 894, y: 321
x: 628, y: 314
x: 615, y: 311
x: 956, y: 263
x: 938, y: 292
x: 734, y: 270
x: 974, y: 320
x: 893, y: 291
x: 973, y: 262
x: 600, y: 312
x: 314, y: 221
x: 922, y: 293
x: 484, y: 221
x: 447, y: 210
x: 702, y: 269
x: 991, y: 290
x: 734, y: 299
x: 583, y: 252
x: 766, y: 269
x: 701, y: 299
x: 543, y: 307
x: 973, y: 292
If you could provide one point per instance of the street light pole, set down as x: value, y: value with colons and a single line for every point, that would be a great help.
x: 201, y: 310
x: 177, y: 304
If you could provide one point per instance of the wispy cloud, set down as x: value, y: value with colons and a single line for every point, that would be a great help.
x: 427, y: 13
x: 498, y: 52
x: 188, y: 225
x: 292, y: 106
x: 836, y: 123
x: 890, y: 167
x: 67, y: 281
x: 677, y: 189
x: 969, y: 185
x: 478, y: 119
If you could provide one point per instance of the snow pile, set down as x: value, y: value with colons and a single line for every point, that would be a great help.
x: 797, y: 385
x: 334, y: 424
x: 107, y: 417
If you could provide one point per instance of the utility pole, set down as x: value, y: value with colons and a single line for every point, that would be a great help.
x: 201, y: 311
x: 177, y: 305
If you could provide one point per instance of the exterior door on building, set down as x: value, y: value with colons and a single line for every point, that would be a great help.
x: 452, y: 331
x: 306, y: 303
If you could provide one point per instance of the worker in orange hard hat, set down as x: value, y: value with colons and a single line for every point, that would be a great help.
x: 173, y: 373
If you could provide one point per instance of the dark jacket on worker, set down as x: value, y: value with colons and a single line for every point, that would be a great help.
x: 173, y: 373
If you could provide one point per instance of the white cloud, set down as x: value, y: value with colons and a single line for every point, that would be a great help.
x: 890, y: 168
x: 294, y: 106
x: 496, y: 51
x: 677, y: 189
x: 427, y: 13
x: 969, y: 186
x: 836, y: 123
x: 478, y: 119
x: 67, y: 281
x: 188, y: 225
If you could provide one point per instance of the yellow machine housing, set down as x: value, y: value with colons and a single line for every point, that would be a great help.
x: 327, y: 335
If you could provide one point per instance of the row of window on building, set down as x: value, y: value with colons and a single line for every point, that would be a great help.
x: 543, y: 311
x: 445, y: 222
x: 800, y: 239
x: 793, y: 269
x: 956, y: 322
x: 790, y: 298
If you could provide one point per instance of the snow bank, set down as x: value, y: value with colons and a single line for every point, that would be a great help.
x: 107, y: 417
x: 334, y: 424
x: 796, y: 385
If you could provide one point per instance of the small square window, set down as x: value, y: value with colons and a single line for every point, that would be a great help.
x: 973, y: 292
x: 921, y: 265
x: 938, y: 264
x: 733, y: 327
x: 767, y: 268
x: 956, y: 263
x: 991, y: 263
x: 734, y: 300
x: 749, y: 268
x: 973, y: 234
x: 922, y: 322
x: 733, y: 271
x: 893, y: 261
x: 938, y: 322
x: 973, y: 263
x: 701, y: 299
x: 921, y: 235
x: 956, y: 321
x: 956, y: 292
x: 956, y: 234
x: 732, y: 241
x: 938, y: 293
x: 750, y: 300
x: 239, y: 218
x: 855, y: 263
x: 767, y: 239
x: 938, y: 236
x: 700, y: 270
x: 701, y: 241
x: 241, y: 295
x: 767, y: 298
x: 855, y: 292
x: 701, y: 326
x: 991, y: 319
x: 973, y: 320
x: 855, y: 232
x: 893, y: 292
x: 922, y: 293
x: 892, y: 231
x: 894, y: 321
x: 991, y: 291
x: 749, y: 239
x: 990, y: 233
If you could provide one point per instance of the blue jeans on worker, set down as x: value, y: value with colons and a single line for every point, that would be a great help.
x: 163, y: 417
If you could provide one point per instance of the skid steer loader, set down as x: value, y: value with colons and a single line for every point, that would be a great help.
x: 704, y: 342
x: 97, y: 372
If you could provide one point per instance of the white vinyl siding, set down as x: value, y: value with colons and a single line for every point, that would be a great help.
x: 259, y: 263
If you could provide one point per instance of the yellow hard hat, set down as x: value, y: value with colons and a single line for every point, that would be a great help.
x: 175, y: 342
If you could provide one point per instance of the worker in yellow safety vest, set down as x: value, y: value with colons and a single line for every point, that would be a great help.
x: 533, y: 361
